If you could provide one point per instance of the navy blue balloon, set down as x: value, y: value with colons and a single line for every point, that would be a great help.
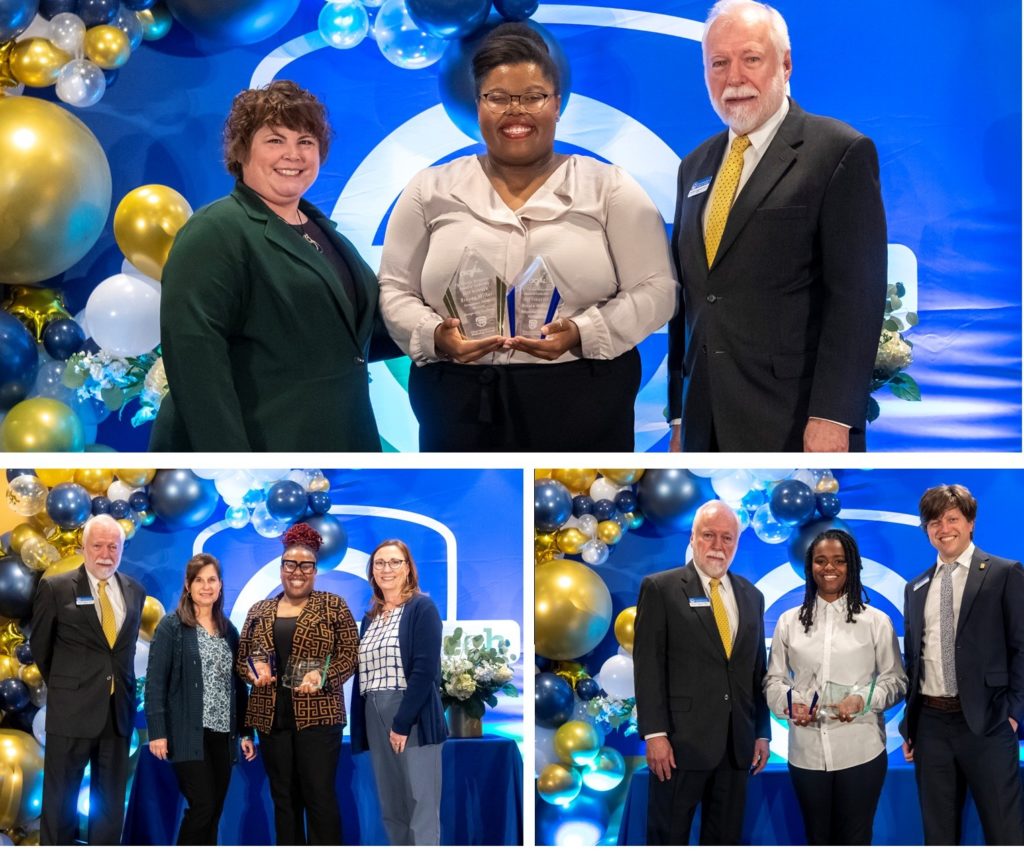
x: 13, y: 474
x: 139, y: 5
x: 120, y: 509
x: 448, y: 19
x: 801, y: 539
x: 286, y: 500
x: 19, y: 360
x: 69, y: 505
x: 581, y: 505
x: 319, y: 501
x: 96, y: 12
x: 552, y: 504
x: 15, y: 16
x: 516, y: 10
x: 828, y: 505
x: 553, y: 699
x: 17, y: 588
x: 139, y: 501
x: 62, y: 338
x: 603, y: 509
x: 233, y: 22
x: 23, y: 652
x: 14, y: 695
x: 670, y: 498
x: 587, y: 688
x: 182, y: 500
x: 100, y: 505
x: 335, y: 539
x: 792, y: 502
x: 49, y: 8
x: 625, y: 500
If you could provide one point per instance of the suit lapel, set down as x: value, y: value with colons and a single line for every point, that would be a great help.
x: 82, y: 590
x: 693, y: 588
x: 975, y: 577
x: 693, y: 211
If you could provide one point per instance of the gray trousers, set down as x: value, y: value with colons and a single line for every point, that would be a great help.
x: 408, y: 782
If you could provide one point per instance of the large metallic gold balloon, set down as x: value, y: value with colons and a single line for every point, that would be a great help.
x: 152, y: 612
x: 559, y: 785
x: 67, y: 541
x: 577, y: 742
x: 609, y: 532
x: 136, y: 478
x: 10, y: 636
x: 571, y: 540
x: 156, y: 22
x: 8, y: 667
x: 624, y: 627
x: 31, y: 675
x: 541, y: 474
x: 41, y: 425
x: 52, y: 478
x: 576, y: 480
x: 34, y: 307
x: 107, y: 46
x: 56, y: 190
x: 145, y: 223
x: 95, y: 481
x: 63, y: 566
x: 544, y: 539
x: 21, y: 534
x: 21, y: 778
x: 623, y: 476
x: 572, y: 609
x: 37, y: 62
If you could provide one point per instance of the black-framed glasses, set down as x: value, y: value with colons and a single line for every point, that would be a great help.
x: 394, y: 564
x: 499, y: 102
x: 290, y: 566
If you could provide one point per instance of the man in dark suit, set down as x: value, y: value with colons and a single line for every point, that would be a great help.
x: 964, y: 651
x: 85, y: 624
x: 699, y: 655
x: 780, y: 245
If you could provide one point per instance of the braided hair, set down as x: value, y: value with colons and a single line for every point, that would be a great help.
x: 856, y: 596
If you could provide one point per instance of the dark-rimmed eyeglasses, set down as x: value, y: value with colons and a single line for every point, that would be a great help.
x: 500, y: 102
x: 289, y: 566
x: 394, y: 564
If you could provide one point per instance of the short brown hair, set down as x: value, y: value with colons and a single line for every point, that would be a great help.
x: 412, y: 582
x: 186, y: 610
x: 282, y: 103
x: 938, y: 500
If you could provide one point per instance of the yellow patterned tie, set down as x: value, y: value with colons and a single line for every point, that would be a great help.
x: 721, y: 617
x: 722, y: 196
x: 107, y: 621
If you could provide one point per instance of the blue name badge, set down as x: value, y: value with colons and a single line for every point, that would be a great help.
x: 85, y: 601
x: 699, y: 187
x: 699, y: 601
x: 922, y: 583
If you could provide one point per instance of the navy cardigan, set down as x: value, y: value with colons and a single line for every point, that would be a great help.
x: 419, y: 641
x: 174, y: 691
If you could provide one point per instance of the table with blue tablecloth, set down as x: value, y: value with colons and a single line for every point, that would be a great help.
x: 773, y: 815
x: 482, y: 787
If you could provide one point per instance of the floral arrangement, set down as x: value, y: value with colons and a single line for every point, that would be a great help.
x: 473, y: 674
x: 610, y: 714
x: 895, y: 353
x: 116, y: 381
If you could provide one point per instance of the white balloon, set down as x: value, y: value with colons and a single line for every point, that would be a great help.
x: 232, y: 485
x: 603, y: 488
x: 300, y: 477
x: 544, y: 748
x: 704, y: 474
x: 124, y: 316
x: 67, y: 32
x: 616, y: 677
x: 269, y: 476
x: 83, y: 322
x: 731, y: 484
x: 39, y: 726
x: 807, y: 477
x: 119, y: 490
x: 128, y: 269
x: 211, y: 474
x: 80, y: 83
x: 141, y: 658
x: 38, y: 29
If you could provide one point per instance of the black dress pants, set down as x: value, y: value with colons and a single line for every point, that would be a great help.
x: 301, y: 769
x: 204, y: 784
x: 838, y: 806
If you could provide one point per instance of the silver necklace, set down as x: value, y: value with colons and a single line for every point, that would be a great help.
x: 309, y: 238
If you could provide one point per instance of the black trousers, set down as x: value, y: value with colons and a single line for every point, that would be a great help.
x: 838, y: 806
x: 948, y: 759
x: 301, y: 769
x: 63, y: 768
x: 580, y: 406
x: 204, y: 784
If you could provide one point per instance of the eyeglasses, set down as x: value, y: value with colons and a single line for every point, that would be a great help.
x: 394, y: 564
x: 499, y: 102
x: 305, y: 568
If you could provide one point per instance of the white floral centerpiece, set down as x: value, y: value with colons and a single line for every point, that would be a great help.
x: 895, y: 353
x: 474, y: 675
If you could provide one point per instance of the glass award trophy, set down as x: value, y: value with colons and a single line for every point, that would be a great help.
x: 261, y: 661
x: 476, y: 296
x: 299, y: 668
x: 533, y: 299
x: 803, y: 693
x: 833, y: 694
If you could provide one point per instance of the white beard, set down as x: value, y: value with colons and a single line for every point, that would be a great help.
x: 743, y: 118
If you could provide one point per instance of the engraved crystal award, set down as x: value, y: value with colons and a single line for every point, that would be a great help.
x: 259, y: 657
x: 833, y: 694
x: 304, y: 670
x: 476, y: 296
x: 533, y: 299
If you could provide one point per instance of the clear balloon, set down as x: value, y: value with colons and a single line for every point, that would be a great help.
x: 266, y: 524
x: 343, y: 23
x: 767, y: 528
x: 81, y: 83
x: 124, y: 316
x: 594, y: 552
x: 402, y: 41
x: 129, y: 24
x: 237, y: 516
x: 544, y: 748
x: 606, y: 771
x: 67, y: 32
x: 26, y: 495
x: 588, y: 525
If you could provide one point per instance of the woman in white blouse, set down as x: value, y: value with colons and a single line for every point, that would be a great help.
x: 600, y: 236
x: 834, y: 668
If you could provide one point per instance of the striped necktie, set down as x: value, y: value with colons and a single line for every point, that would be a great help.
x: 721, y: 197
x: 721, y: 617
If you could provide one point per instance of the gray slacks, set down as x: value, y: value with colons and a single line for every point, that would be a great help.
x: 408, y: 782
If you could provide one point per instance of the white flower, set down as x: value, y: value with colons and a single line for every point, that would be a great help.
x: 504, y: 674
x: 894, y: 354
x: 156, y: 380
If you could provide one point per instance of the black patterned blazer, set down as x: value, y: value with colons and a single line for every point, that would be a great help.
x: 325, y: 626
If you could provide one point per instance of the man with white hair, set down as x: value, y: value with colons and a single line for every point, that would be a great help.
x: 85, y: 624
x: 780, y: 245
x: 699, y: 656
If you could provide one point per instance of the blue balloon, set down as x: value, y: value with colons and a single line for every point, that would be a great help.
x: 120, y: 509
x: 400, y: 39
x: 100, y: 505
x: 23, y: 653
x: 13, y: 474
x: 335, y: 539
x: 139, y: 501
x: 801, y: 539
x: 139, y: 5
x: 670, y: 498
x: 15, y: 16
x: 603, y: 509
x: 14, y: 695
x: 828, y: 505
x: 96, y: 12
x: 516, y: 10
x: 19, y: 360
x: 63, y: 337
x: 553, y: 699
x: 581, y: 505
x: 49, y: 8
x: 319, y: 502
x: 254, y: 497
x: 552, y: 504
x: 625, y: 501
x: 448, y: 19
x: 587, y: 688
x: 182, y: 500
x: 69, y: 505
x: 455, y: 78
x: 792, y: 502
x: 286, y: 500
x: 754, y: 499
x: 233, y: 22
x: 17, y: 588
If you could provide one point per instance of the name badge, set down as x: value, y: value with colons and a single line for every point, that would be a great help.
x: 699, y: 601
x: 699, y: 187
x: 85, y: 601
x: 922, y: 583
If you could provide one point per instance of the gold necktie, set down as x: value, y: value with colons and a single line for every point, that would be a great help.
x: 722, y: 196
x: 721, y: 617
x: 107, y: 621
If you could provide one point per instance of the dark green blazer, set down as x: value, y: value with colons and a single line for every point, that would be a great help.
x: 264, y: 351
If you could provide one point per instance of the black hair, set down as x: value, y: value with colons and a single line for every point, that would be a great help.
x: 856, y: 596
x: 513, y: 43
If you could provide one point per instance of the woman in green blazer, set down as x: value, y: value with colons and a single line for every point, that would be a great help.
x: 266, y: 312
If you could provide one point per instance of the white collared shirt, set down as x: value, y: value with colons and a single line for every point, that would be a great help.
x: 728, y: 598
x: 114, y: 595
x: 932, y: 682
x: 851, y: 655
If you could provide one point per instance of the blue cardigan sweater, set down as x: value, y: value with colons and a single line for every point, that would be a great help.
x: 419, y: 641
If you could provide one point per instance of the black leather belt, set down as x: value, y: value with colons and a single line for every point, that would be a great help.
x: 947, y: 704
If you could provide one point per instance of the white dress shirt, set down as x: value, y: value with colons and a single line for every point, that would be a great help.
x: 114, y: 595
x: 601, y: 236
x: 932, y: 682
x: 844, y: 653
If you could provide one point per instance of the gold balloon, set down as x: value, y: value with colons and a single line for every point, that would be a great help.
x: 576, y: 480
x: 35, y: 307
x: 95, y: 481
x: 145, y: 223
x: 128, y: 527
x: 52, y: 478
x: 107, y: 46
x: 827, y: 485
x: 319, y: 484
x: 572, y: 609
x: 31, y: 675
x: 38, y: 554
x: 577, y: 743
x: 41, y: 425
x: 67, y: 541
x: 572, y: 671
x: 609, y: 531
x: 571, y: 540
x: 545, y: 554
x: 7, y: 80
x: 10, y: 636
x: 21, y: 778
x: 37, y: 62
x: 21, y: 534
x: 156, y: 22
x: 559, y: 785
x: 623, y: 476
x: 8, y: 667
x: 136, y: 478
x: 544, y: 539
x: 63, y: 566
x: 624, y: 627
x: 152, y: 612
x: 541, y: 474
x: 56, y: 190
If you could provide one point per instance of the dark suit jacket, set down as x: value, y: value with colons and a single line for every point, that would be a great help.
x: 75, y: 660
x: 785, y: 324
x: 989, y: 644
x: 262, y: 347
x: 685, y: 686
